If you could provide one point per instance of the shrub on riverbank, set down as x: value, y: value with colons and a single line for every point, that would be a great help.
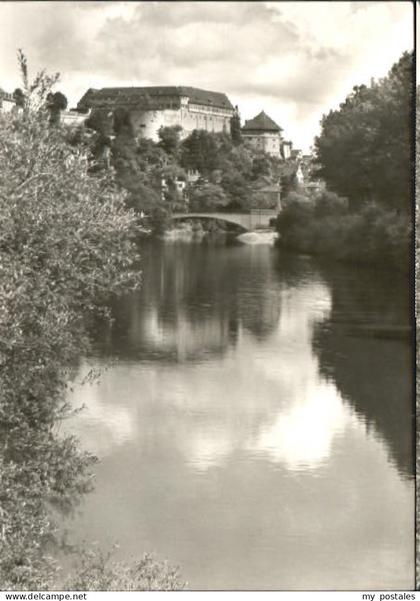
x: 97, y: 571
x: 324, y: 226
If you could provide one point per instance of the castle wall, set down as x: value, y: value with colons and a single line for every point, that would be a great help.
x: 212, y: 119
x: 267, y: 142
x: 146, y: 123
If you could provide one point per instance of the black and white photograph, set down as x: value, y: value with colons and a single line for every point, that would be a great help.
x: 207, y: 296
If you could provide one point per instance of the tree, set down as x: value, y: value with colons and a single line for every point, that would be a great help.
x: 286, y: 173
x: 122, y: 123
x: 19, y: 97
x: 199, y: 152
x: 101, y: 121
x: 56, y: 102
x: 67, y: 242
x: 238, y: 189
x: 235, y: 128
x: 207, y: 197
x: 364, y: 149
x: 150, y: 155
x: 169, y: 139
x: 124, y: 151
x: 261, y: 167
x: 392, y: 163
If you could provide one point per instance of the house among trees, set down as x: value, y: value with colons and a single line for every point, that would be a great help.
x: 265, y: 135
x: 269, y: 196
x: 7, y: 101
x: 74, y: 118
x: 151, y: 108
x: 287, y: 149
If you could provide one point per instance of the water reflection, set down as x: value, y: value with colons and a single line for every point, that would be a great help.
x: 365, y: 346
x: 230, y: 436
x: 193, y: 303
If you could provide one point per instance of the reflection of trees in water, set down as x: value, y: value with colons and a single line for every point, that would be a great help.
x: 195, y: 300
x: 364, y: 345
x: 296, y: 270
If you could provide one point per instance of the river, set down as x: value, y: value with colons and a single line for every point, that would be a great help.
x: 253, y: 421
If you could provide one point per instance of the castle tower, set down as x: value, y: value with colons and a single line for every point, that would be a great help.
x: 264, y: 134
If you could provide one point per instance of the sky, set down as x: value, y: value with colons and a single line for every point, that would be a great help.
x: 294, y: 60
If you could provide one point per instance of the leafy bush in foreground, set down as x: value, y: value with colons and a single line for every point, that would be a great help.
x: 66, y: 244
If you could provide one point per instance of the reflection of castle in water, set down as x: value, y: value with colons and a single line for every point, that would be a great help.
x: 194, y: 304
x: 201, y: 307
x: 252, y: 399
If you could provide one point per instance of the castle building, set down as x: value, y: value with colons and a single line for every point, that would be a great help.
x: 151, y: 108
x: 265, y: 135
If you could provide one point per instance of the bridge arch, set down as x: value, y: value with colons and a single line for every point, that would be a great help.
x: 248, y: 222
x: 234, y: 219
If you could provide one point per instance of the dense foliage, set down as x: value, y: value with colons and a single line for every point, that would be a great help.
x: 364, y: 154
x: 199, y: 152
x: 364, y: 150
x: 148, y: 171
x: 207, y: 197
x: 229, y: 171
x: 170, y: 139
x: 235, y: 129
x: 323, y: 225
x: 56, y: 103
x: 67, y: 242
x: 239, y: 170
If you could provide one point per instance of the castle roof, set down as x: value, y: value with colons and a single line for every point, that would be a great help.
x: 261, y: 122
x: 135, y: 95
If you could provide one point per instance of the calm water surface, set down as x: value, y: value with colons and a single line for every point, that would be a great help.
x: 253, y: 422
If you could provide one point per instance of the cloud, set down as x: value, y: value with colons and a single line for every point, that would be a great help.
x: 229, y: 39
x: 296, y: 58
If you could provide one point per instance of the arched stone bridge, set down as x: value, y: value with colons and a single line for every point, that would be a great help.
x: 253, y: 220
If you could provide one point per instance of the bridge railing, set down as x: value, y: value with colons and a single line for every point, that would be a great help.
x: 264, y: 211
x: 257, y: 212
